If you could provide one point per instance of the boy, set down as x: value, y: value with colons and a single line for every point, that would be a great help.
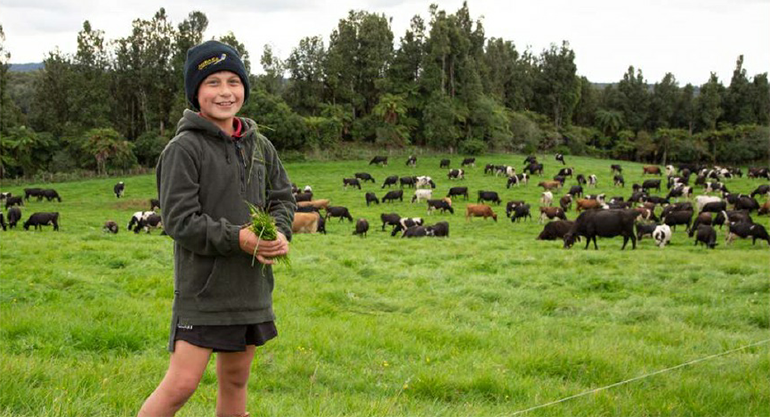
x: 215, y: 164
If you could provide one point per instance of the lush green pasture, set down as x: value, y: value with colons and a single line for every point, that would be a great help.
x: 484, y: 323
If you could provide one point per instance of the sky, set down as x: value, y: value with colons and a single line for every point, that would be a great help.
x: 689, y: 38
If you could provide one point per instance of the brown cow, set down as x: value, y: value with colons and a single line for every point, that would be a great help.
x: 479, y: 210
x: 765, y: 209
x: 651, y: 169
x: 644, y: 212
x: 587, y: 204
x: 549, y: 185
x: 305, y: 222
x: 319, y: 204
x: 551, y: 213
x: 566, y: 202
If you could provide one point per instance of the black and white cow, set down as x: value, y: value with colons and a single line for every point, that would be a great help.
x: 153, y: 221
x: 118, y: 189
x: 468, y: 161
x: 619, y: 181
x: 566, y: 172
x: 746, y: 230
x: 411, y: 161
x: 137, y: 218
x: 154, y: 203
x: 442, y: 205
x: 424, y: 181
x: 405, y: 223
x: 559, y: 157
x: 455, y: 174
x: 38, y: 220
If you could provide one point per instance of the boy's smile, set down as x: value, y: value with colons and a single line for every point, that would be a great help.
x: 221, y: 97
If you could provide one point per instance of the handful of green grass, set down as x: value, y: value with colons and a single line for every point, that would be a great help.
x: 263, y: 225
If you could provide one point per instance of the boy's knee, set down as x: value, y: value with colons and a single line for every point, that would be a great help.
x: 182, y: 388
x: 235, y: 378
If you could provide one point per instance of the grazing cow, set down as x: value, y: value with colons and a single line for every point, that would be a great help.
x: 644, y: 212
x: 712, y: 187
x: 732, y: 198
x: 38, y: 220
x: 576, y: 191
x: 662, y: 235
x: 489, y: 196
x: 32, y: 192
x: 546, y: 199
x: 566, y: 172
x: 442, y: 205
x: 654, y: 199
x: 153, y: 221
x: 303, y: 197
x: 759, y: 173
x: 745, y: 230
x: 154, y: 203
x: 587, y: 204
x: 549, y: 185
x: 458, y: 191
x: 511, y: 205
x: 391, y: 219
x: 615, y: 168
x: 118, y: 189
x: 391, y: 180
x: 581, y: 179
x: 565, y: 202
x: 551, y: 213
x: 318, y: 204
x: 555, y: 230
x: 765, y: 209
x: 307, y: 209
x: 364, y: 176
x: 680, y: 191
x: 408, y: 181
x: 321, y: 224
x: 714, y: 207
x: 371, y: 198
x: 686, y: 205
x: 520, y: 212
x: 455, y: 174
x: 762, y: 189
x: 307, y: 189
x: 14, y: 215
x: 468, y: 161
x: 619, y: 181
x: 2, y: 222
x: 479, y: 210
x: 644, y: 228
x: 13, y: 201
x: 603, y: 223
x: 651, y: 169
x: 411, y: 161
x: 424, y: 181
x: 489, y: 168
x: 670, y: 170
x: 440, y: 229
x: 534, y: 168
x: 353, y: 182
x: 338, y: 211
x: 702, y: 200
x: 701, y: 219
x: 3, y: 196
x: 745, y: 202
x: 444, y: 163
x: 405, y: 223
x: 393, y: 195
x: 517, y: 179
x: 531, y: 159
x: 415, y: 231
x: 110, y: 226
x: 305, y: 222
x: 559, y: 157
x: 651, y: 184
x: 678, y: 217
x: 136, y: 219
x: 49, y: 195
x: 420, y: 195
x: 733, y: 216
x: 362, y: 226
x: 381, y: 160
x: 707, y: 236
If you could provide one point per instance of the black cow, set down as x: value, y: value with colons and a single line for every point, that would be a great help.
x: 678, y: 217
x: 32, y: 192
x: 393, y: 195
x: 555, y: 230
x: 468, y: 161
x: 382, y: 160
x: 14, y: 215
x: 700, y: 219
x: 362, y: 226
x: 303, y: 197
x: 746, y: 203
x: 706, y: 235
x: 3, y: 196
x: 38, y: 220
x: 644, y: 229
x: 391, y: 180
x: 364, y: 176
x: 321, y: 225
x: 339, y: 211
x: 654, y: 199
x: 714, y: 207
x: 118, y: 189
x: 308, y: 209
x: 442, y: 205
x: 353, y: 182
x: 734, y: 216
x: 444, y: 163
x: 619, y: 181
x: 559, y: 157
x: 761, y: 190
x: 154, y: 202
x: 576, y: 191
x: 2, y: 221
x: 534, y: 168
x: 745, y: 230
x: 603, y: 223
x: 408, y: 181
x: 683, y: 206
x: 49, y: 195
x: 110, y: 227
x: 458, y: 191
x: 565, y: 202
x: 581, y: 179
x: 616, y: 168
x: 638, y: 196
x: 511, y: 205
x: 489, y: 169
x: 13, y: 201
x: 391, y: 219
x: 440, y: 229
x: 489, y: 196
x: 520, y: 212
x: 415, y: 231
x: 651, y: 184
x: 531, y: 159
x: 405, y: 223
x: 371, y: 198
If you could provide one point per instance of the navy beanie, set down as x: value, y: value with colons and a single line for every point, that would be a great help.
x: 206, y: 59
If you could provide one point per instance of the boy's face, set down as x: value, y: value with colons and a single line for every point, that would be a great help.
x: 220, y: 96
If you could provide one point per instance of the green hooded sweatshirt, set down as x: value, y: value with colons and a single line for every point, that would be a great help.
x: 204, y: 179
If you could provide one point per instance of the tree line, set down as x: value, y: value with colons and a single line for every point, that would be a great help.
x: 446, y: 86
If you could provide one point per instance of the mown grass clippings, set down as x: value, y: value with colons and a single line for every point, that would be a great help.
x: 263, y: 226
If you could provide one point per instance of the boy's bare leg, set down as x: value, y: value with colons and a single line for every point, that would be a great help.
x: 233, y: 376
x: 188, y: 362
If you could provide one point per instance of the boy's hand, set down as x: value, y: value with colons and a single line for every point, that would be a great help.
x: 266, y: 249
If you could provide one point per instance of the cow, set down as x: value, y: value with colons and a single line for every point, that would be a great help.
x: 676, y: 207
x: 530, y: 159
x: 307, y: 189
x: 305, y: 222
x: 534, y: 168
x: 619, y: 181
x: 602, y: 223
x: 707, y: 236
x: 110, y: 226
x: 380, y: 160
x: 549, y: 185
x: 511, y: 205
x: 391, y: 180
x: 118, y: 189
x: 644, y: 213
x: 555, y: 230
x: 681, y: 191
x: 440, y: 229
x: 303, y: 197
x: 581, y: 179
x: 615, y: 168
x: 14, y: 215
x: 405, y: 223
x: 353, y: 182
x: 49, y: 194
x: 576, y: 191
x: 442, y: 205
x: 456, y: 174
x: 565, y: 202
x: 559, y: 157
x: 644, y: 228
x: 415, y: 231
x: 520, y: 212
x: 651, y: 169
x: 32, y: 192
x: 651, y: 184
x: 702, y: 200
x: 763, y: 189
x: 411, y: 161
x: 391, y: 219
x: 678, y: 217
x: 479, y: 210
x: 136, y: 218
x: 154, y: 203
x: 3, y: 196
x: 517, y: 179
x: 587, y: 204
x: 765, y: 209
x: 566, y: 172
x: 307, y: 209
x: 371, y: 198
x: 408, y: 181
x: 662, y: 235
x: 2, y: 222
x: 745, y: 230
x: 734, y: 216
x: 489, y: 196
x: 362, y: 226
x: 321, y: 224
x: 546, y: 198
x: 745, y: 202
x: 714, y: 207
x: 468, y: 161
x: 759, y: 173
x: 153, y: 221
x: 654, y: 199
x: 551, y: 213
x: 458, y: 191
x: 424, y: 182
x: 420, y: 195
x: 322, y: 203
x: 489, y: 169
x: 444, y: 163
x: 670, y: 170
x: 338, y: 211
x: 712, y: 187
x: 13, y: 201
x: 393, y: 195
x: 364, y: 176
x: 38, y: 220
x: 701, y: 219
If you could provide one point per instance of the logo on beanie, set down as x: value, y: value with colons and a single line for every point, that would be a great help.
x: 212, y: 61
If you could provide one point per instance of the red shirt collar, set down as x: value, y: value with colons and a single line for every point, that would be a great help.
x: 237, y: 127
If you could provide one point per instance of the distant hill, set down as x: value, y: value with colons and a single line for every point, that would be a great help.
x: 31, y: 66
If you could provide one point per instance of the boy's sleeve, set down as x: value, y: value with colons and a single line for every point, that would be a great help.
x: 183, y: 220
x: 280, y: 200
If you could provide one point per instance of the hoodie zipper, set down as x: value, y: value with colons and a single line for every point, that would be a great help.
x: 242, y: 166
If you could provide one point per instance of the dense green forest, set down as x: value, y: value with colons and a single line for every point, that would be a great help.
x: 445, y: 87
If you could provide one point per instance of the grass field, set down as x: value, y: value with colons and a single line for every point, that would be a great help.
x: 486, y: 322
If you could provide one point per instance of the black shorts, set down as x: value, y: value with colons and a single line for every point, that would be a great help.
x: 230, y: 338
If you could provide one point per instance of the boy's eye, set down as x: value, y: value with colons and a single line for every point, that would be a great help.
x: 235, y: 81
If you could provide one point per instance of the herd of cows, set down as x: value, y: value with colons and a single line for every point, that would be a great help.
x: 632, y: 218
